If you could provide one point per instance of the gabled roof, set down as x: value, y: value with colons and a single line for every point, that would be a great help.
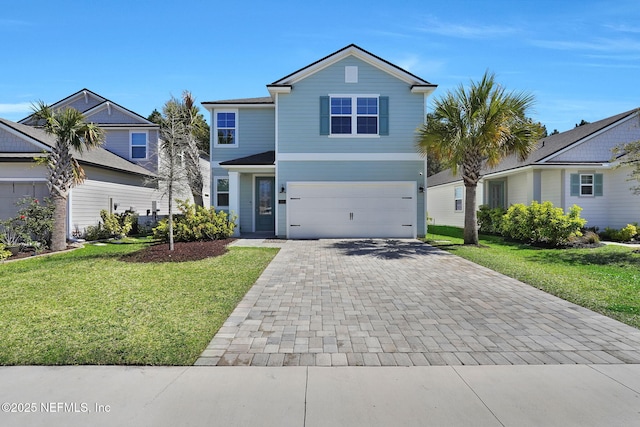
x: 545, y: 149
x: 285, y: 84
x: 261, y: 159
x: 97, y: 157
x: 103, y: 102
x: 358, y: 52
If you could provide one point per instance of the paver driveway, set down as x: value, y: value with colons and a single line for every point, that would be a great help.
x: 402, y: 302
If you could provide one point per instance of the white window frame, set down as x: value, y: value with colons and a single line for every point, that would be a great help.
x: 592, y: 185
x: 215, y: 128
x: 146, y: 146
x: 354, y: 116
x: 216, y: 192
x: 457, y: 197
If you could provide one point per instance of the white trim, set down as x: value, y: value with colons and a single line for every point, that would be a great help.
x: 23, y: 179
x: 214, y: 127
x: 276, y: 175
x: 109, y: 105
x: 146, y: 150
x: 350, y: 157
x: 210, y: 107
x: 234, y: 199
x: 587, y: 138
x: 354, y: 116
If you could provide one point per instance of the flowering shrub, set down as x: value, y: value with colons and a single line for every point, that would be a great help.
x: 31, y: 226
x: 196, y: 223
x: 4, y: 254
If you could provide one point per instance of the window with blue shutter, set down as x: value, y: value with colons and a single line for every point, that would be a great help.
x: 586, y: 184
x: 348, y: 115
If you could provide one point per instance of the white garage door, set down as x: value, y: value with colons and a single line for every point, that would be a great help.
x: 351, y: 209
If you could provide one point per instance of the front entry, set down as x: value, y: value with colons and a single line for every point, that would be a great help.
x: 265, y: 211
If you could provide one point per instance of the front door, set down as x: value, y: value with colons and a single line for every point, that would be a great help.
x: 265, y: 204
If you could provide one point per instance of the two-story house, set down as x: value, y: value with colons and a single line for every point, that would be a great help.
x: 118, y: 174
x: 330, y: 153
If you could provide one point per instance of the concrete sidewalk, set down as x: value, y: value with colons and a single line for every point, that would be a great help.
x: 553, y: 395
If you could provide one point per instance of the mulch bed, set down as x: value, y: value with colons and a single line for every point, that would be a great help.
x: 183, y: 251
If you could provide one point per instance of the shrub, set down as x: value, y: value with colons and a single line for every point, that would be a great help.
x: 196, y: 223
x: 623, y: 235
x: 4, y: 254
x: 96, y: 232
x: 31, y: 226
x: 490, y: 220
x: 117, y: 225
x: 542, y: 223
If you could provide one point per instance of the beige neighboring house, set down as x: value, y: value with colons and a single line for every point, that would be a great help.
x: 568, y: 168
x: 119, y: 174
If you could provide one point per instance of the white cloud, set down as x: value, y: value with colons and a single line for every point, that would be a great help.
x: 599, y: 45
x: 20, y: 107
x: 434, y: 26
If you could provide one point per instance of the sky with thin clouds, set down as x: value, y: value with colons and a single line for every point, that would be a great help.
x: 580, y: 59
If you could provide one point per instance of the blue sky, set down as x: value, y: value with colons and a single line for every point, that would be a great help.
x: 581, y: 59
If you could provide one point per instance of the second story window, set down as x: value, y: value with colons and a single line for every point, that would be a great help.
x: 226, y: 128
x: 354, y: 115
x: 138, y: 145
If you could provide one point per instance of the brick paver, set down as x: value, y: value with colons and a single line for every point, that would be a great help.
x: 403, y: 303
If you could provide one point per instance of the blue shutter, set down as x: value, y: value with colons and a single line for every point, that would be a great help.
x: 383, y: 118
x: 324, y: 115
x: 597, y: 184
x: 575, y: 184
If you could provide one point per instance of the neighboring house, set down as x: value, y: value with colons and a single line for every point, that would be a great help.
x: 568, y: 168
x: 330, y: 153
x: 117, y: 173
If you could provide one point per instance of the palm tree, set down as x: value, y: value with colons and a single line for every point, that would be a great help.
x: 474, y: 127
x: 72, y: 132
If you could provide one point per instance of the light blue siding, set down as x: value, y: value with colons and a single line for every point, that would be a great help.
x: 117, y: 141
x: 351, y: 171
x: 80, y: 104
x: 299, y: 112
x: 256, y: 134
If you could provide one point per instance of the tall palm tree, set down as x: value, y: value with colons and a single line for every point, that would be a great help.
x: 474, y: 127
x: 72, y: 132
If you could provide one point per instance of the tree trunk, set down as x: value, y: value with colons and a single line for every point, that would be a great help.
x: 59, y: 232
x: 198, y: 200
x: 470, y: 216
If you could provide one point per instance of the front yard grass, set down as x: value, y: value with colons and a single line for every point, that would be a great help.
x: 604, y: 279
x: 90, y: 307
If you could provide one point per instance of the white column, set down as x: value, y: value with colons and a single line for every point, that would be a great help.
x: 234, y: 199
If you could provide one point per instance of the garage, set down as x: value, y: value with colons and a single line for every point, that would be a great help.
x: 12, y: 192
x: 351, y: 209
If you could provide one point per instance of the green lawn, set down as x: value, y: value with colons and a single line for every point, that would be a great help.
x: 604, y: 279
x: 89, y: 307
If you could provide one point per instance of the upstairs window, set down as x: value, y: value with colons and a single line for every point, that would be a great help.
x: 226, y: 128
x: 138, y: 145
x: 351, y: 115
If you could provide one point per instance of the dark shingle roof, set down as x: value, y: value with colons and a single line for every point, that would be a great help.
x: 266, y: 158
x: 546, y: 147
x: 98, y: 157
x: 260, y: 100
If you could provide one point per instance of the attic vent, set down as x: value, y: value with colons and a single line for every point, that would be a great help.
x: 351, y: 74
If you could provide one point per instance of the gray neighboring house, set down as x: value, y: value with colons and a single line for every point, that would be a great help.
x: 330, y: 153
x: 118, y: 172
x: 572, y: 167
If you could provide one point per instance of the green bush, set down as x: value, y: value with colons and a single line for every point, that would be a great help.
x: 31, y: 226
x: 4, y: 254
x: 490, y: 220
x: 196, y: 223
x: 623, y: 235
x: 542, y: 223
x: 96, y: 232
x: 117, y: 225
